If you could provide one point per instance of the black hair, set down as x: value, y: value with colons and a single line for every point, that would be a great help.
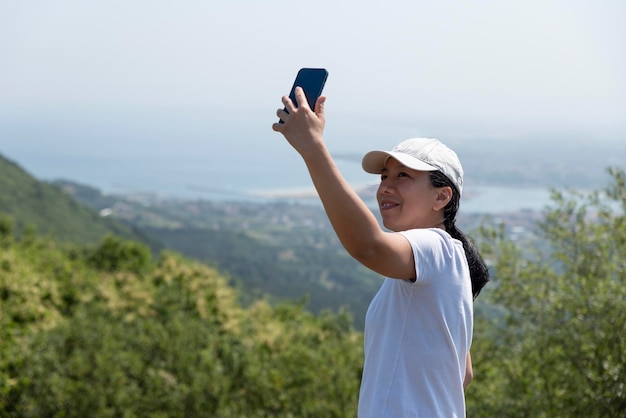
x: 479, y: 273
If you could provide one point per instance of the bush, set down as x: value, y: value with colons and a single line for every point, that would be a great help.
x: 118, y: 254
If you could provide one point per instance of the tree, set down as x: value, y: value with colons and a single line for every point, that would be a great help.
x: 559, y: 347
x: 115, y: 253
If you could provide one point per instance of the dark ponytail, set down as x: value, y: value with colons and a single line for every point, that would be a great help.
x: 479, y: 272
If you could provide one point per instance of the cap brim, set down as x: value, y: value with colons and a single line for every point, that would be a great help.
x: 374, y: 161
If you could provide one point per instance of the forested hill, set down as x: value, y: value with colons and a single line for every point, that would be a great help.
x: 46, y: 208
x: 276, y: 257
x: 110, y: 330
x: 275, y: 250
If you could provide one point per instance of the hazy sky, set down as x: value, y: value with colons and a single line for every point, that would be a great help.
x: 480, y: 67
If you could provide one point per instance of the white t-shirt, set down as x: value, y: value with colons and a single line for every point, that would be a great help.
x: 418, y: 334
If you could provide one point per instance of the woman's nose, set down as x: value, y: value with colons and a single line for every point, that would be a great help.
x: 386, y: 186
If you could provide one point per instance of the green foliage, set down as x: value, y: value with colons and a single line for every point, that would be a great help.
x: 138, y: 338
x: 560, y: 347
x: 115, y: 254
x: 285, y: 270
x: 6, y: 227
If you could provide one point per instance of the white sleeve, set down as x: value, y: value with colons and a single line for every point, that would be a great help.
x: 430, y: 251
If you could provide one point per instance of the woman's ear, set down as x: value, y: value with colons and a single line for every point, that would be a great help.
x: 444, y: 195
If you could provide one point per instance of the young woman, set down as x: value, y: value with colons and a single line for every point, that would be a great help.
x: 418, y: 328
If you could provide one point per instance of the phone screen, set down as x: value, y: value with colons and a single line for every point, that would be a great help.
x: 312, y: 81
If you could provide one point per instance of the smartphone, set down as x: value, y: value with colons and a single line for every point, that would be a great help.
x: 312, y: 81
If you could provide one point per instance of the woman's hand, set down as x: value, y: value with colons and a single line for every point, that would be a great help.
x: 303, y: 128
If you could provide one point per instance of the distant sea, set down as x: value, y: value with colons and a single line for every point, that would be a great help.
x: 260, y: 179
x: 187, y: 155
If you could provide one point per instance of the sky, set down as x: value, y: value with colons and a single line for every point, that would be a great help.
x: 397, y: 68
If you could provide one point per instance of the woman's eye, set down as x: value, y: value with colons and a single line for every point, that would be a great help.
x: 402, y: 174
x: 383, y: 177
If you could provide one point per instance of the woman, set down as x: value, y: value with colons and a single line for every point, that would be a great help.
x: 418, y: 328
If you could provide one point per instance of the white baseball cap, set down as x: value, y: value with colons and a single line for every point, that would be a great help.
x: 423, y: 154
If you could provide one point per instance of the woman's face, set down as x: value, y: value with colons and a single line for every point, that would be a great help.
x: 407, y: 199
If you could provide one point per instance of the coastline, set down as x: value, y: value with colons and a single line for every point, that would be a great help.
x: 476, y: 199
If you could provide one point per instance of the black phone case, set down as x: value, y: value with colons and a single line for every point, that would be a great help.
x: 312, y: 81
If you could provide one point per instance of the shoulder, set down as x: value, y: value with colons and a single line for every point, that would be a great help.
x: 433, y: 246
x: 432, y: 236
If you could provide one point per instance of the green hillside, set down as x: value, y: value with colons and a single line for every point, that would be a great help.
x: 46, y: 208
x: 279, y: 251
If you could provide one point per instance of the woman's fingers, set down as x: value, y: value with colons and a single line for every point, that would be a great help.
x: 291, y: 110
x: 289, y: 105
x: 282, y: 115
x: 301, y: 98
x: 319, y: 107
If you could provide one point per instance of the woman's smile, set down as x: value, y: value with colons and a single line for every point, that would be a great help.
x: 387, y: 205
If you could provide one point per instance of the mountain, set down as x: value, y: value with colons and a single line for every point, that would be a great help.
x: 32, y: 203
x: 276, y: 251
